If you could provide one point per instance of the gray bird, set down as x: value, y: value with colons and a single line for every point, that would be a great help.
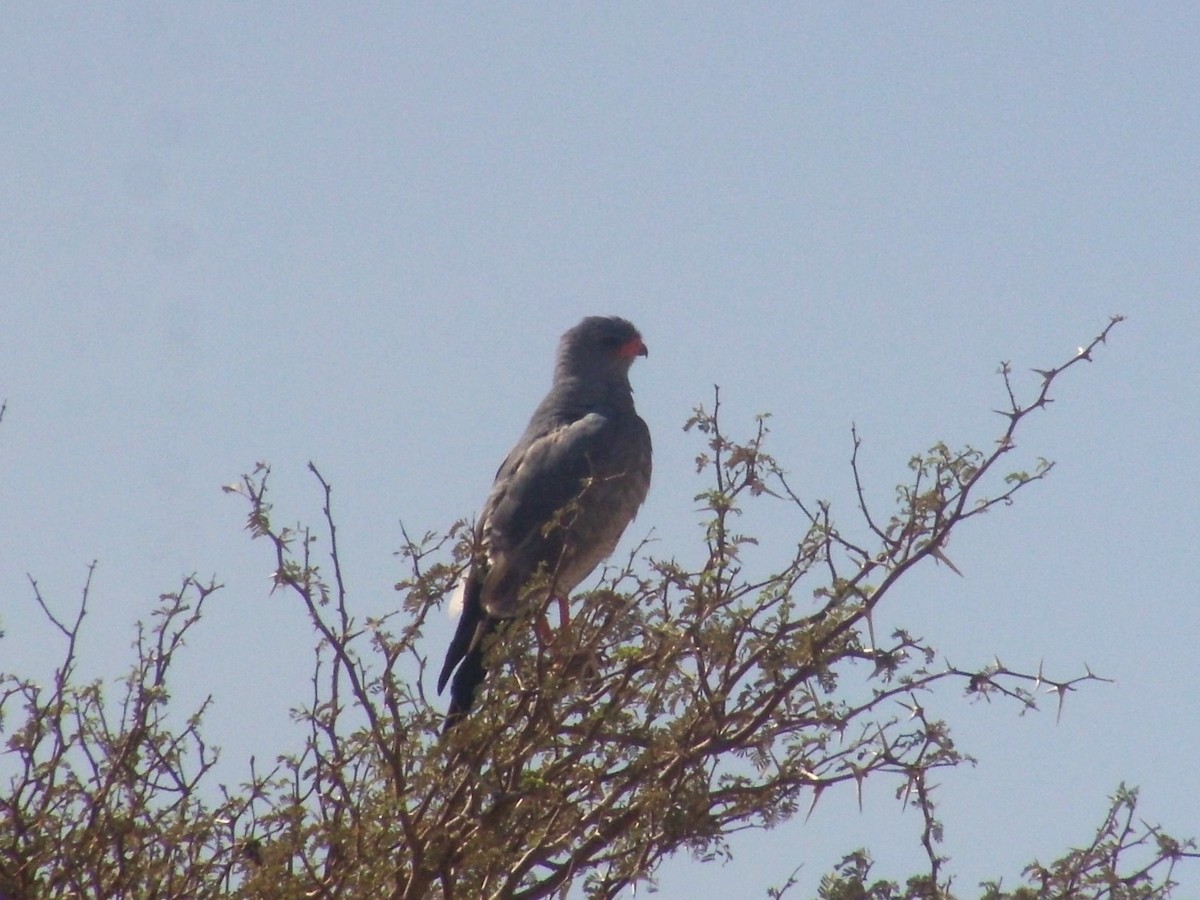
x: 561, y: 498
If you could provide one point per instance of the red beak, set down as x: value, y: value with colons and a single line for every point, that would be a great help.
x: 635, y: 346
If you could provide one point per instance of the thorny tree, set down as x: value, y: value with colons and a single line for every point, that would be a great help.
x: 682, y: 705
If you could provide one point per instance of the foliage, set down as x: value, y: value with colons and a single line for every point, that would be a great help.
x: 681, y: 706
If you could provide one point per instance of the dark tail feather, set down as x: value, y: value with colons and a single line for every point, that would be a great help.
x: 468, y: 623
x: 466, y: 654
x: 469, y: 675
x: 466, y: 681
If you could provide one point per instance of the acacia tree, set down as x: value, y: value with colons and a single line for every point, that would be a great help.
x: 683, y: 704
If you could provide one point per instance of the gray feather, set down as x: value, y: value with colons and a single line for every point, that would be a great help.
x: 562, y: 497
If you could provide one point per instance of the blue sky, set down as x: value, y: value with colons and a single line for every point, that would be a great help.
x: 353, y: 235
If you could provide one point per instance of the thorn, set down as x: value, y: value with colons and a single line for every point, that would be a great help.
x: 859, y: 775
x: 914, y: 709
x: 1062, y: 695
x: 1047, y: 375
x: 937, y: 554
x: 817, y: 791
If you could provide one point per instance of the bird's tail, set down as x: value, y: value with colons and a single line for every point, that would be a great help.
x: 468, y: 678
x: 466, y: 655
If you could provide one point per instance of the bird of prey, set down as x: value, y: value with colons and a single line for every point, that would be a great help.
x: 561, y: 498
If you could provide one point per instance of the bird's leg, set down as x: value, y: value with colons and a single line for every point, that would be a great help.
x: 541, y: 623
x: 541, y: 627
x: 582, y: 665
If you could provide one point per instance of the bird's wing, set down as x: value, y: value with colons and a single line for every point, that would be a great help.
x: 517, y: 534
x: 535, y: 484
x: 540, y: 475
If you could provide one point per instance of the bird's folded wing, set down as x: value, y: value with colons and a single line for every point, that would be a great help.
x: 537, y: 481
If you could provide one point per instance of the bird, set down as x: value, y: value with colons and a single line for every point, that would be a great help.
x: 561, y: 499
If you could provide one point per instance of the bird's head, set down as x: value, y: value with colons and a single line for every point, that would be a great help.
x: 599, y: 347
